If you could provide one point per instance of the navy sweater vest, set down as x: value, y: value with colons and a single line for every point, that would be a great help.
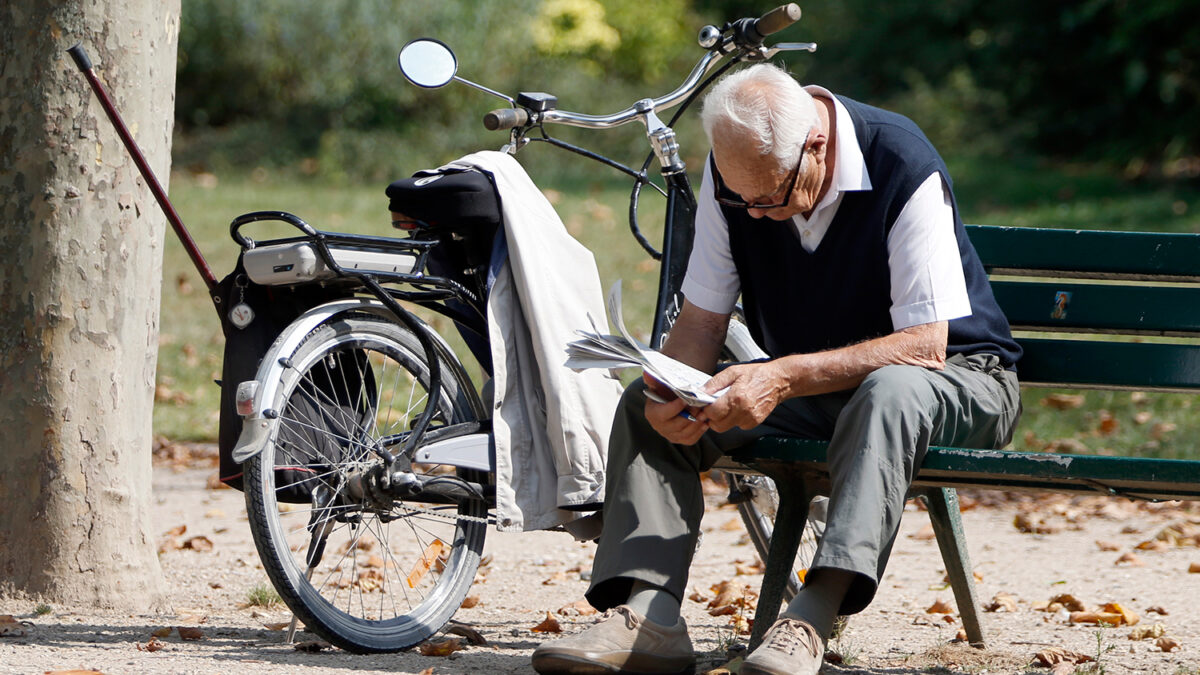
x: 840, y: 294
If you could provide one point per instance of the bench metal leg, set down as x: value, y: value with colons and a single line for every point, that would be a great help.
x: 780, y: 563
x: 947, y: 526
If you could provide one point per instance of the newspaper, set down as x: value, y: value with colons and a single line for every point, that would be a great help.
x: 597, y: 349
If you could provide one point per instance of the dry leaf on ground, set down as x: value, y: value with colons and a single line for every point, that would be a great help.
x: 427, y: 671
x: 162, y: 632
x: 753, y: 567
x: 1128, y: 616
x: 1062, y: 401
x: 443, y: 647
x: 10, y: 627
x: 1109, y: 618
x: 280, y: 625
x: 1107, y: 546
x: 1055, y: 655
x: 1194, y: 568
x: 1002, y: 602
x: 190, y: 633
x: 1130, y: 558
x: 548, y: 625
x: 1028, y: 524
x: 731, y: 598
x: 463, y: 630
x: 470, y: 601
x: 1148, y: 632
x: 577, y: 608
x: 940, y: 607
x: 152, y: 646
x: 1068, y: 601
x: 1167, y: 643
x: 199, y: 543
x: 1157, y: 610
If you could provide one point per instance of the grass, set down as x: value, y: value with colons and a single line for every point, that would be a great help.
x: 262, y: 595
x: 594, y: 211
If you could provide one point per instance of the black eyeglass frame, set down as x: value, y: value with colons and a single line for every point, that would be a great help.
x: 719, y: 187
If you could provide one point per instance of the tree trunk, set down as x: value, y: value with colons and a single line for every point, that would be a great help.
x: 80, y: 276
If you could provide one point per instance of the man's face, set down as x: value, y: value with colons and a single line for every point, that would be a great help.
x: 769, y: 189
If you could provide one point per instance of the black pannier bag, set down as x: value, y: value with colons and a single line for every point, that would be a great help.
x: 460, y: 208
x: 307, y: 441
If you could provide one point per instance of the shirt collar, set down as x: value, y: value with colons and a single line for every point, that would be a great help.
x: 850, y: 168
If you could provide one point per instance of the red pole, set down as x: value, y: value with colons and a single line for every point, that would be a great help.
x: 185, y: 237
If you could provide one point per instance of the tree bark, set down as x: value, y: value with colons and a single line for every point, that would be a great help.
x: 80, y: 277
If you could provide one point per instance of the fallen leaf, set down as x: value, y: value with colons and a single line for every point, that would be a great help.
x: 1128, y: 616
x: 281, y: 625
x: 200, y: 543
x: 214, y: 513
x: 153, y: 645
x: 731, y: 598
x: 1147, y: 632
x: 190, y: 633
x: 1194, y: 568
x: 162, y: 632
x: 697, y: 596
x: 422, y: 566
x: 1167, y: 644
x: 1055, y: 655
x: 577, y: 608
x: 470, y: 601
x: 10, y: 627
x: 554, y: 578
x: 443, y: 647
x: 1109, y: 618
x: 176, y: 531
x: 1157, y: 610
x: 1002, y: 602
x: 742, y: 624
x: 1026, y: 523
x: 1062, y: 401
x: 960, y: 636
x: 463, y: 630
x: 427, y: 671
x: 1107, y: 546
x: 313, y: 646
x: 1069, y: 601
x: 940, y: 607
x: 1108, y: 424
x: 1153, y: 545
x: 548, y: 625
x: 754, y: 567
x: 1130, y: 558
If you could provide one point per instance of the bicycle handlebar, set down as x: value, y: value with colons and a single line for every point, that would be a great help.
x: 745, y: 36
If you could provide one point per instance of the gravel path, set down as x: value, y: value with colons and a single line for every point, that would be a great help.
x: 535, y: 573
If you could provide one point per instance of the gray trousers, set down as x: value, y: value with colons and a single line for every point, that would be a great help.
x: 877, y: 434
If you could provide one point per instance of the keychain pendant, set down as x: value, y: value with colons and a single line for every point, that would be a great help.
x: 241, y: 315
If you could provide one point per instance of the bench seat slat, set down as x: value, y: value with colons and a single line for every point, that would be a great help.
x: 1121, y: 254
x: 1052, y: 305
x: 1113, y: 365
x: 1142, y: 477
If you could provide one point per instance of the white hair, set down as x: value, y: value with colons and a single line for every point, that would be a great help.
x: 767, y: 104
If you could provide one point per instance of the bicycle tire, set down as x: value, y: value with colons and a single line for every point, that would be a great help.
x: 759, y: 500
x: 384, y: 580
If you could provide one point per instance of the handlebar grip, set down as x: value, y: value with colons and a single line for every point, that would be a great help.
x: 505, y: 118
x: 777, y: 19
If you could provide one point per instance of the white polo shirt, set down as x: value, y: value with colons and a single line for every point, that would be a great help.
x: 925, y: 268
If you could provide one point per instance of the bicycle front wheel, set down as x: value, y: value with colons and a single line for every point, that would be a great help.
x: 364, y: 576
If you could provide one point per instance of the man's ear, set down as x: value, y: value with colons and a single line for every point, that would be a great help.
x: 819, y: 145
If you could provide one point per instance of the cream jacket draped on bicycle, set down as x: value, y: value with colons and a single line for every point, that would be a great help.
x: 550, y: 423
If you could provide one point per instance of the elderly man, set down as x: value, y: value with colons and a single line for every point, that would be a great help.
x: 836, y: 224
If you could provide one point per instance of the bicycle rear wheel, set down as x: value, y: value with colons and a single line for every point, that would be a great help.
x: 365, y: 577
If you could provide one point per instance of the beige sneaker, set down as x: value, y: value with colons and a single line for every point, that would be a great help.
x: 623, y: 642
x: 790, y: 647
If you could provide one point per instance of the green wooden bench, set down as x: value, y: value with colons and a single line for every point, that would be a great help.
x: 1083, y: 305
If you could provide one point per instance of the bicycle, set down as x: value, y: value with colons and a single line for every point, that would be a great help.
x: 364, y: 441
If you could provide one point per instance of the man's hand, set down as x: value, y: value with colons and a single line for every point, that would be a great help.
x: 673, y: 420
x: 754, y: 391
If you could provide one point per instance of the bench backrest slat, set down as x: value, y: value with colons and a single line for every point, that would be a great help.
x: 1083, y: 307
x: 1116, y: 254
x: 1109, y: 365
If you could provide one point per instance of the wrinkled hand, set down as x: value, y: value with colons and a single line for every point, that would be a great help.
x: 666, y: 418
x: 754, y: 391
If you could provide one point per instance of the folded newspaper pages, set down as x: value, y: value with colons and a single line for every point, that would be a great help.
x: 599, y: 350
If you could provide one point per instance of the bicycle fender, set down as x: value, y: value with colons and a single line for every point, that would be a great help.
x: 260, y: 425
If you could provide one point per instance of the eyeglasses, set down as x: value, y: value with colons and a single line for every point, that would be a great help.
x: 737, y: 203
